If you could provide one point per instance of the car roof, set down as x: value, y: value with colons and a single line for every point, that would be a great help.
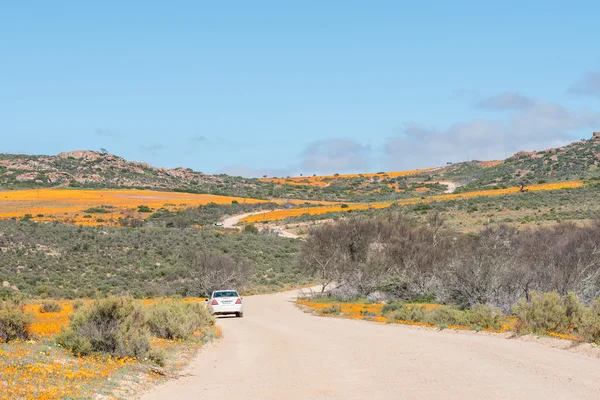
x: 225, y: 290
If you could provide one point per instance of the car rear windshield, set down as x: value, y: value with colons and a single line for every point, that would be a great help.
x: 225, y: 294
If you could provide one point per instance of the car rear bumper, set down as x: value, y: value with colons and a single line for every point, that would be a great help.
x: 227, y: 309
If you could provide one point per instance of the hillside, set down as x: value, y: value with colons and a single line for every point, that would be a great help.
x: 578, y: 160
x: 90, y: 169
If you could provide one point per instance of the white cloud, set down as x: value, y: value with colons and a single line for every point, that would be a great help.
x: 335, y: 155
x: 537, y: 126
x: 506, y: 101
x: 588, y: 85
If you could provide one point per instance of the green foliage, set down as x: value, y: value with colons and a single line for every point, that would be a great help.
x: 333, y: 309
x: 115, y: 326
x: 62, y: 261
x: 177, y: 320
x: 97, y: 210
x: 590, y: 324
x: 480, y: 315
x: 14, y: 322
x: 549, y: 312
x: 251, y: 228
x: 144, y: 209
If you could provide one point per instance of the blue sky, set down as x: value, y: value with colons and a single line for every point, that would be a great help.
x: 288, y: 87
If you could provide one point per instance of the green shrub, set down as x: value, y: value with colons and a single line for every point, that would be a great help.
x: 590, y: 323
x: 250, y: 228
x: 77, y: 304
x: 408, y: 313
x: 481, y: 316
x: 14, y: 323
x: 393, y: 306
x: 549, y: 312
x: 144, y: 209
x: 116, y: 326
x: 447, y: 316
x: 49, y: 307
x: 333, y: 309
x: 486, y: 317
x: 96, y: 210
x: 177, y: 320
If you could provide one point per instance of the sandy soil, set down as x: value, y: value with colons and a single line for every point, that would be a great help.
x: 278, y: 352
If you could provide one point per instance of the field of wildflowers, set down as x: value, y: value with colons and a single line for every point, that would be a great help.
x: 325, y: 180
x: 374, y: 312
x: 39, y: 369
x: 295, y: 212
x: 103, y: 207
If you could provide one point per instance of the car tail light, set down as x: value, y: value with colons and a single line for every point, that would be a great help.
x: 214, y: 302
x: 238, y: 301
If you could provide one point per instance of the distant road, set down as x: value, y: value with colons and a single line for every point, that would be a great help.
x: 451, y: 186
x: 278, y: 352
x: 231, y: 222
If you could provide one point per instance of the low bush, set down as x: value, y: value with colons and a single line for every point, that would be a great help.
x: 590, y: 322
x: 177, y: 320
x: 406, y: 313
x: 250, y: 228
x: 333, y: 309
x: 14, y: 323
x: 486, y: 316
x: 77, y: 304
x: 479, y: 315
x: 115, y: 326
x: 549, y: 312
x: 49, y: 307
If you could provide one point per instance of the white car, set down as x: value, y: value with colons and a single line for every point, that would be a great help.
x: 224, y: 302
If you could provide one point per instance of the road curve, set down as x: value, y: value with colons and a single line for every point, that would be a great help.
x: 231, y: 222
x: 278, y: 352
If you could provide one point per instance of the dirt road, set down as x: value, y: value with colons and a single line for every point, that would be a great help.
x: 278, y: 352
x: 451, y: 186
x: 231, y: 222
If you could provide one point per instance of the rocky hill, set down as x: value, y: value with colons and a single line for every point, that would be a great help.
x: 93, y: 169
x: 578, y: 160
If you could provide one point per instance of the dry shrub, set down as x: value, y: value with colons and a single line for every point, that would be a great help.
x: 49, y: 307
x: 115, y: 326
x: 177, y: 320
x: 14, y: 323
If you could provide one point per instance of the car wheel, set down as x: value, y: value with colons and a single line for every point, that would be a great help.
x: 239, y: 315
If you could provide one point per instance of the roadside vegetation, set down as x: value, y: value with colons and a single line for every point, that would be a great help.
x: 63, y: 261
x: 111, y: 347
x: 521, y: 210
x: 545, y: 279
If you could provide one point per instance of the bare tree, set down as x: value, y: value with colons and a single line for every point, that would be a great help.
x: 213, y: 271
